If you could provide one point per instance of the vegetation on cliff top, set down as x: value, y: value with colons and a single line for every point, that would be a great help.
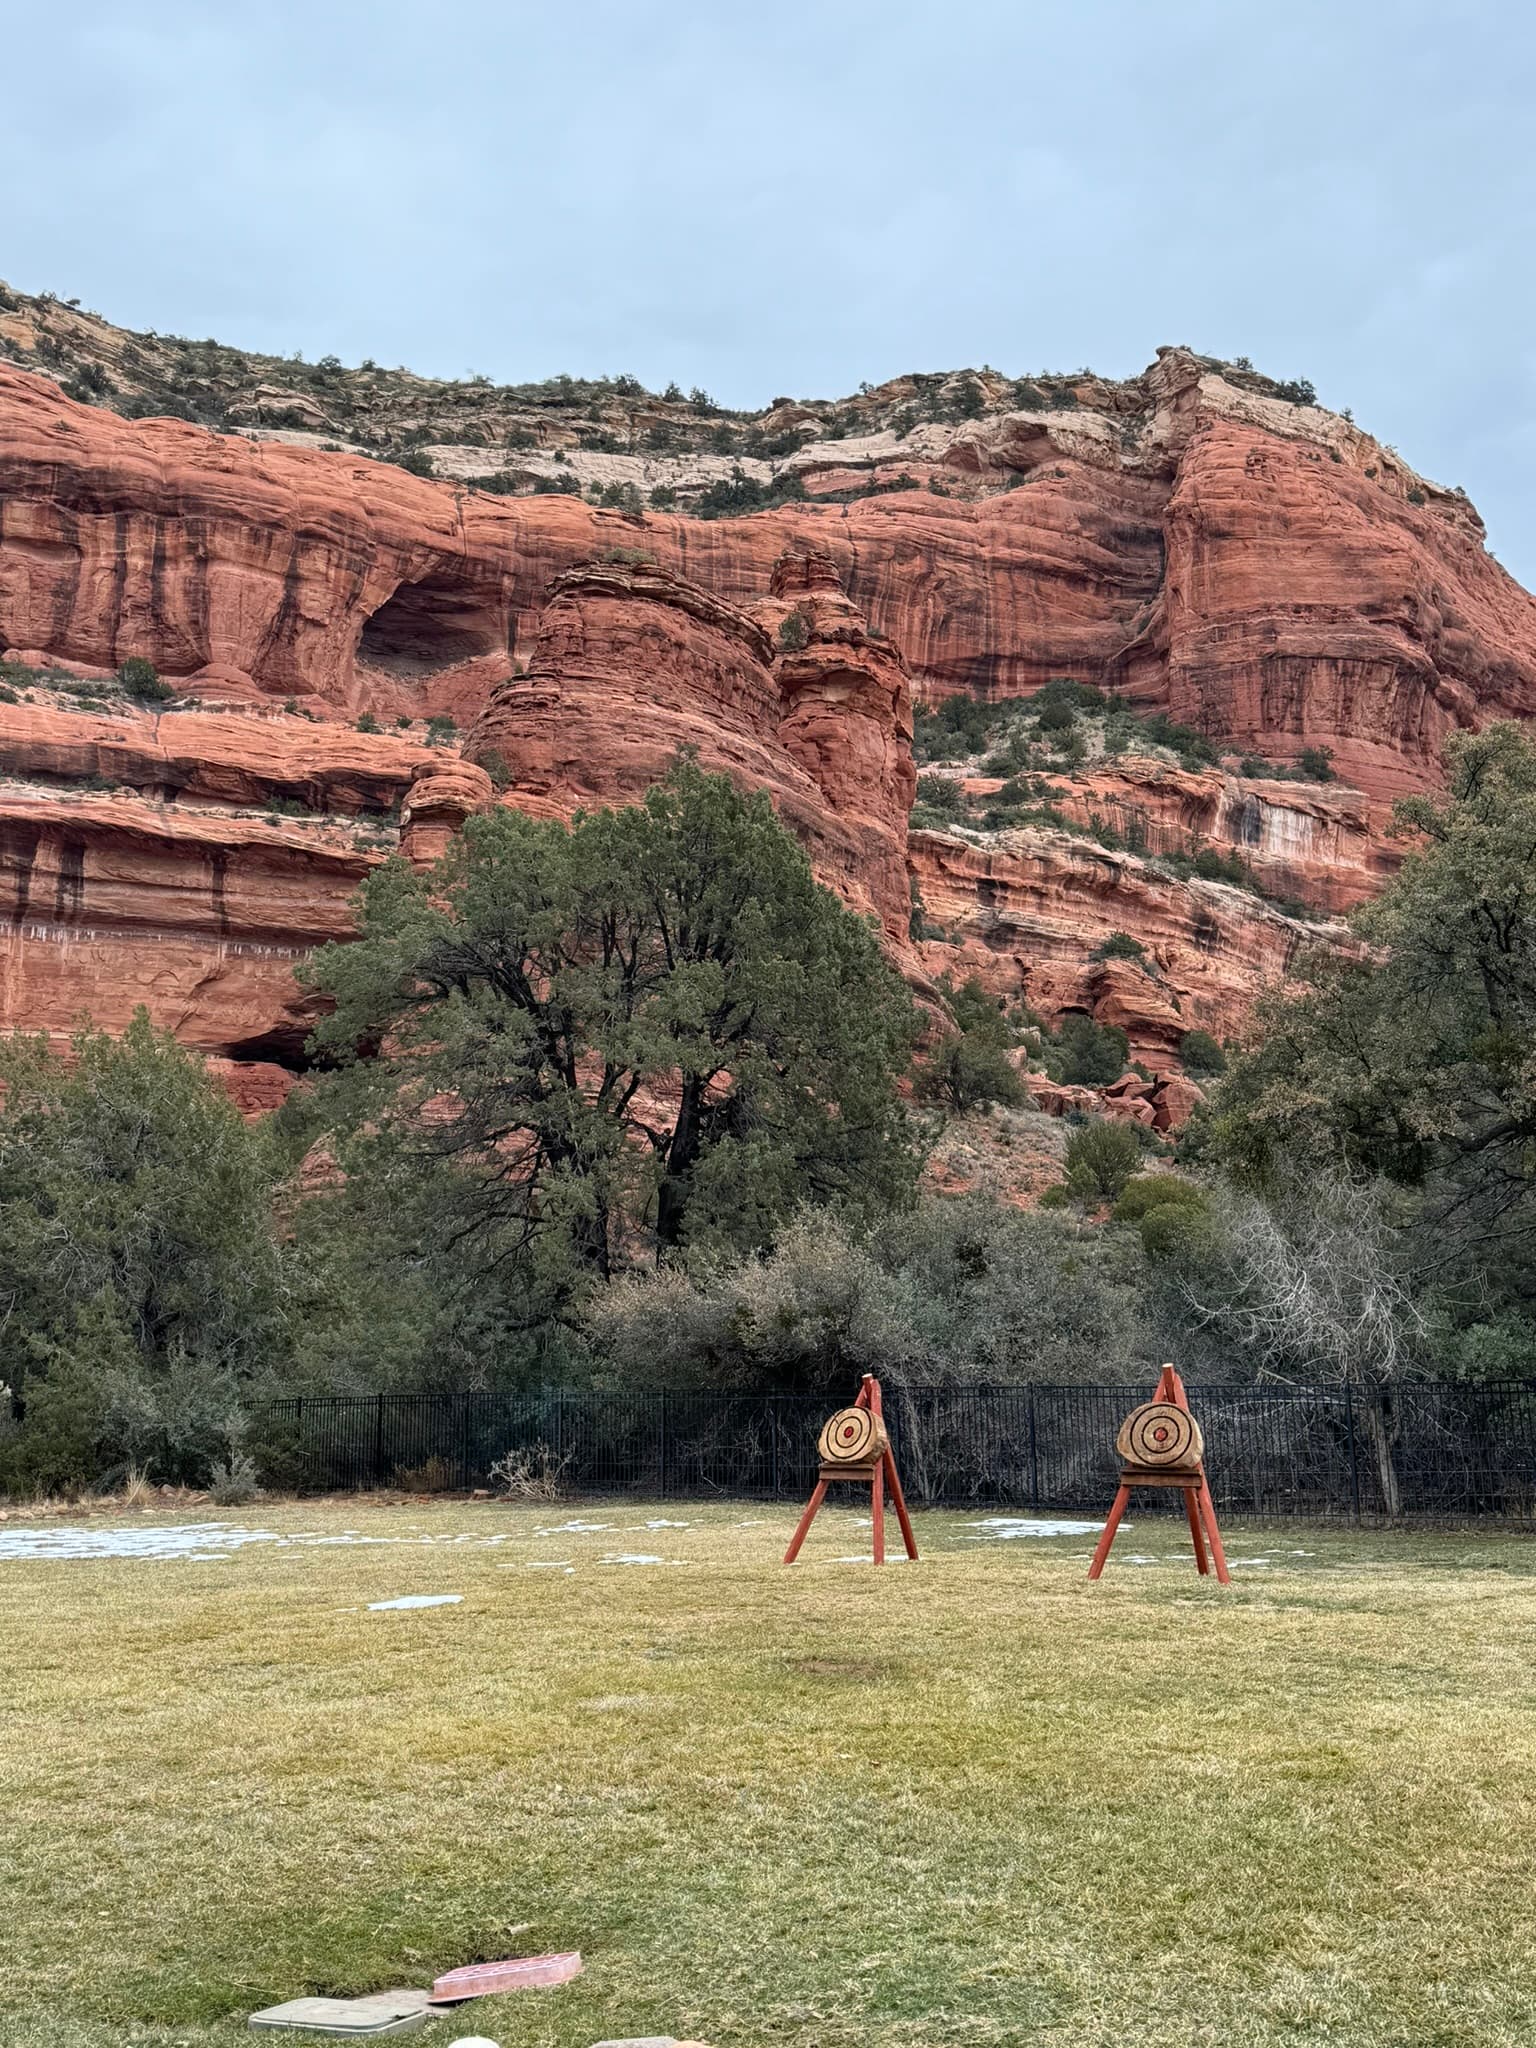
x: 396, y: 415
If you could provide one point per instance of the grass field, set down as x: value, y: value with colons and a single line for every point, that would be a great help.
x: 975, y: 1801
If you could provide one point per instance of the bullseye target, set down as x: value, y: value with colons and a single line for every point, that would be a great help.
x: 852, y: 1437
x: 1158, y: 1434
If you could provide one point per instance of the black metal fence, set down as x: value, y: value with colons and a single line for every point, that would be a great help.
x: 1429, y: 1449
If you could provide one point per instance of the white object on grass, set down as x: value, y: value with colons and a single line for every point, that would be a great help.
x: 183, y: 1542
x: 1005, y: 1528
x: 416, y: 1600
x: 472, y: 2041
x: 186, y: 1540
x: 348, y: 2019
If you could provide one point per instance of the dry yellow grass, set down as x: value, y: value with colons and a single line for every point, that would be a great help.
x: 975, y: 1802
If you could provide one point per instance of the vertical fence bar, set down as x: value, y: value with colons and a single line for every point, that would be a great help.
x: 662, y: 1434
x: 1034, y: 1452
x: 1354, y: 1461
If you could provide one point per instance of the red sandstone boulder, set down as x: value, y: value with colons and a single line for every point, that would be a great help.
x: 436, y: 807
x: 1058, y: 1098
x: 1176, y: 1100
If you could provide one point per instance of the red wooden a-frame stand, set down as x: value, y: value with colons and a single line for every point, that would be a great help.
x: 878, y: 1467
x: 1190, y: 1479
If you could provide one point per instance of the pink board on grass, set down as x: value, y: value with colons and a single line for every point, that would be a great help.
x: 522, y: 1973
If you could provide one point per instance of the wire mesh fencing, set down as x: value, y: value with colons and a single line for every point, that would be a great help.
x: 1430, y: 1449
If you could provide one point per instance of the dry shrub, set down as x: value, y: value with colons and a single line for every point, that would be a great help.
x: 435, y: 1476
x: 533, y: 1473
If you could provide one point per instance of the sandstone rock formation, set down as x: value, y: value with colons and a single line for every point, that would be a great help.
x: 845, y: 714
x: 1193, y: 539
x: 192, y: 757
x: 1328, y: 846
x: 631, y: 663
x: 1029, y: 913
x: 110, y: 901
x: 436, y: 806
x: 1262, y: 569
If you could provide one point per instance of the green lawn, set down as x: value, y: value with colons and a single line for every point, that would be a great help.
x: 975, y: 1801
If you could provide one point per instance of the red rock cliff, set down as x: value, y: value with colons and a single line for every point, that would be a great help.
x: 1261, y: 569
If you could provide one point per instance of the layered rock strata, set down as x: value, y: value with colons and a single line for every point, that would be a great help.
x: 1322, y: 844
x: 1030, y: 912
x: 1261, y: 569
x: 631, y: 663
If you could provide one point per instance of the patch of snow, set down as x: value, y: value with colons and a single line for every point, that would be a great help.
x: 574, y: 1529
x: 1006, y: 1528
x: 191, y: 1540
x: 665, y: 1525
x: 416, y: 1600
x: 631, y: 1557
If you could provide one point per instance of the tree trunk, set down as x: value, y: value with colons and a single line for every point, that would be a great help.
x: 1372, y: 1410
x: 682, y: 1154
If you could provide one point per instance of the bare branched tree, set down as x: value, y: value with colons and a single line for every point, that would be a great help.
x: 1313, y: 1289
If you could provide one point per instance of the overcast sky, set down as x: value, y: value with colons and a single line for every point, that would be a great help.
x: 792, y: 197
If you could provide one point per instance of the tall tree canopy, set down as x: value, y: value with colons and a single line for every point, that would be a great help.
x: 1415, y: 1060
x: 569, y: 1047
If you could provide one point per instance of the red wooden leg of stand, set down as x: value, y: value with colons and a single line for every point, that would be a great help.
x: 1115, y: 1514
x: 805, y: 1522
x: 899, y: 1500
x: 1208, y: 1510
x: 1192, y: 1509
x: 877, y: 1510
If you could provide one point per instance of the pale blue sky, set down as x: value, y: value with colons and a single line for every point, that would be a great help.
x: 793, y: 197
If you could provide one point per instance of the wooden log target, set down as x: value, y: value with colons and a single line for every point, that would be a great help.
x: 853, y: 1436
x: 1160, y: 1434
x: 854, y: 1445
x: 1161, y: 1445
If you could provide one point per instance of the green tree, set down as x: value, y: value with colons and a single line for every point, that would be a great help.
x: 142, y: 1281
x: 971, y: 1068
x: 1411, y: 1059
x: 141, y: 680
x: 951, y: 1293
x: 649, y: 1028
x: 1200, y: 1054
x: 1083, y: 1053
x: 1100, y: 1159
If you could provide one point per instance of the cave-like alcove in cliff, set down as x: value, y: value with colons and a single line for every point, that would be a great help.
x: 285, y: 1045
x: 428, y: 626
